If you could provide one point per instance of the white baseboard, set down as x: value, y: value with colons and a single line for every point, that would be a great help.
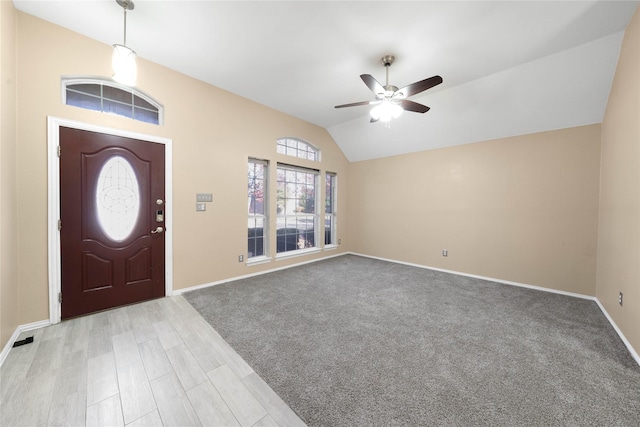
x: 20, y: 329
x: 44, y: 323
x: 626, y: 342
x: 246, y: 276
x: 475, y: 276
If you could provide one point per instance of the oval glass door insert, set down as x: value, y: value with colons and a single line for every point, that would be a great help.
x: 117, y: 198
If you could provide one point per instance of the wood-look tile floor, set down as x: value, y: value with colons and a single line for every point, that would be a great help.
x: 157, y: 363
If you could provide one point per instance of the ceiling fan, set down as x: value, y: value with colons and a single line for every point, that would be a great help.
x: 391, y: 101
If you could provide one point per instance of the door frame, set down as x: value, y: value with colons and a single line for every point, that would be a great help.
x: 53, y: 215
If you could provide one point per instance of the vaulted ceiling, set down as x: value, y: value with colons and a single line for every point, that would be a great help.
x: 509, y: 68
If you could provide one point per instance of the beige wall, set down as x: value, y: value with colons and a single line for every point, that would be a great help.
x: 214, y: 133
x: 619, y: 226
x: 522, y: 209
x: 9, y: 296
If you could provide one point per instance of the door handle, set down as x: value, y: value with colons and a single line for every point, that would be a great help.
x: 158, y: 230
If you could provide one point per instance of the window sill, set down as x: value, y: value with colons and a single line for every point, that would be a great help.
x: 330, y: 248
x: 258, y: 260
x: 299, y: 252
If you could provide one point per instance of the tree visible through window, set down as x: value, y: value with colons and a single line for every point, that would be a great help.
x: 257, y: 207
x: 296, y: 208
x: 330, y: 209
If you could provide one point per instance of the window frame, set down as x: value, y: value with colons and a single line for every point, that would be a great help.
x: 264, y: 257
x: 68, y: 82
x: 308, y: 148
x: 331, y: 198
x: 287, y: 218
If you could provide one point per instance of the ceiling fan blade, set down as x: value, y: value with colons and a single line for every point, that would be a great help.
x: 354, y: 104
x: 372, y: 84
x: 413, y: 106
x: 420, y: 86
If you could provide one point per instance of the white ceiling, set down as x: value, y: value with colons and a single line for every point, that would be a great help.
x: 509, y: 67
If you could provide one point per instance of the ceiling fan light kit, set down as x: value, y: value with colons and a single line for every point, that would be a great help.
x: 123, y: 58
x: 391, y: 101
x: 385, y: 111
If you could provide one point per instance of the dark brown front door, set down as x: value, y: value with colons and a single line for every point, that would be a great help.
x: 112, y: 216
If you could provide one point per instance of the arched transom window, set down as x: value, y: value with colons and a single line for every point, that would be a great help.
x: 110, y: 97
x: 298, y: 148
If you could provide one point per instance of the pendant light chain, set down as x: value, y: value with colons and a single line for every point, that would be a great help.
x: 387, y: 67
x: 125, y: 24
x: 126, y: 5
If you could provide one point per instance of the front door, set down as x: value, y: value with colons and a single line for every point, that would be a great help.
x: 112, y: 210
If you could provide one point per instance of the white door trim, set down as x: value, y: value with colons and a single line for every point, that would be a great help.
x: 54, y: 258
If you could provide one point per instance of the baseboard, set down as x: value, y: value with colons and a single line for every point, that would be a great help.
x: 624, y: 339
x: 20, y: 329
x: 246, y: 276
x: 490, y: 279
x: 626, y: 342
x: 459, y: 273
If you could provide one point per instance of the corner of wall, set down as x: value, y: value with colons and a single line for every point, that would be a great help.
x: 9, y: 296
x: 618, y: 270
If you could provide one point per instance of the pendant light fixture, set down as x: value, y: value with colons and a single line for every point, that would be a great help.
x: 123, y: 59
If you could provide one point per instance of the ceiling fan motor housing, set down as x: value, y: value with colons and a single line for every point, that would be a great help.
x: 391, y: 101
x: 389, y: 90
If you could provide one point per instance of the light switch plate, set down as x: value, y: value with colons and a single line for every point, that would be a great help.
x: 204, y: 197
x: 201, y: 207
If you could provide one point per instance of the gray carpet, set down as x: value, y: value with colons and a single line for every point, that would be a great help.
x: 353, y: 341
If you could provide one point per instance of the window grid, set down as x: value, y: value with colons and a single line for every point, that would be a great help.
x: 297, y: 220
x: 101, y: 96
x: 257, y: 208
x: 298, y: 148
x: 330, y: 231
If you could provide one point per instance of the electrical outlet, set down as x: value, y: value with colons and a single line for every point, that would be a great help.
x: 445, y: 252
x: 339, y: 241
x: 240, y: 258
x: 620, y: 298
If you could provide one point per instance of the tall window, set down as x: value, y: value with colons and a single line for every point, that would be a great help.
x: 297, y: 148
x: 257, y: 207
x: 296, y: 208
x: 330, y: 209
